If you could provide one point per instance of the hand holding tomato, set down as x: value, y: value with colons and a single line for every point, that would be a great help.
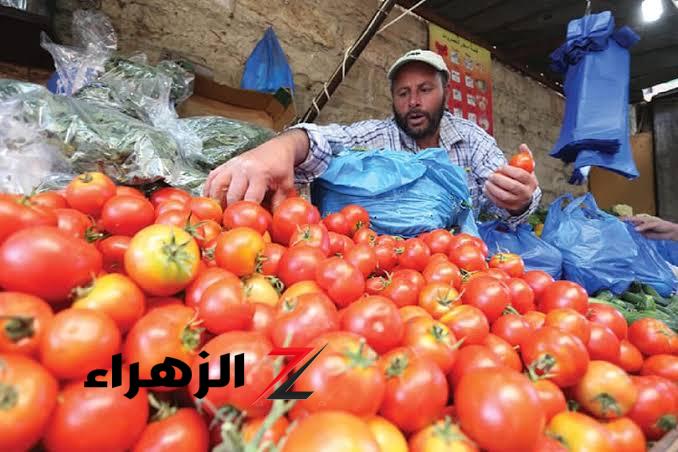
x: 511, y: 188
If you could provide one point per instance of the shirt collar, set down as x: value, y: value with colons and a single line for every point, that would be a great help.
x: 449, y: 135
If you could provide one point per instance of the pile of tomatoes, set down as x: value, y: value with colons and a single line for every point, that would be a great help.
x: 430, y: 344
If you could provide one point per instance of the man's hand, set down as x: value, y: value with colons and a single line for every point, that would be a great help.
x: 655, y: 228
x: 511, y: 188
x: 268, y: 167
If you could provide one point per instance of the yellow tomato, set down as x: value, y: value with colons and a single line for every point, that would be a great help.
x: 299, y: 288
x: 162, y: 259
x: 606, y: 391
x: 258, y: 289
x: 389, y: 438
x: 580, y: 433
x: 441, y: 436
x: 115, y: 295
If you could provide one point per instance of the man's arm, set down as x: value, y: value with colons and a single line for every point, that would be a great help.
x: 655, y: 228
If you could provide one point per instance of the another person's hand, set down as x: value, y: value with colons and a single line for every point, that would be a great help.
x: 266, y: 168
x: 511, y: 188
x: 655, y: 228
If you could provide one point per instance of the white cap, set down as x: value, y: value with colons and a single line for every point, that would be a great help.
x: 425, y: 56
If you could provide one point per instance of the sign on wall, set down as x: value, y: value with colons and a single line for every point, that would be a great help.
x: 470, y: 75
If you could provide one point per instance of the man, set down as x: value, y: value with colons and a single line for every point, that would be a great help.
x: 420, y: 92
x: 655, y: 228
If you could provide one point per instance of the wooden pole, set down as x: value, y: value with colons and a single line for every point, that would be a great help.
x: 354, y: 52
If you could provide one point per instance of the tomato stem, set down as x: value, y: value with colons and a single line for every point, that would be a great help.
x: 397, y: 366
x: 18, y: 327
x: 163, y: 409
x: 9, y: 396
x: 607, y: 403
x: 667, y: 422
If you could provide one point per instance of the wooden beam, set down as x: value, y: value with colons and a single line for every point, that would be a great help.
x: 497, y: 53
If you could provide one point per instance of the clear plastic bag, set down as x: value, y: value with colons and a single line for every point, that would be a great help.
x: 94, y: 42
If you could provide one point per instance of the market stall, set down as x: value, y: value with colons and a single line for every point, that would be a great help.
x: 373, y: 312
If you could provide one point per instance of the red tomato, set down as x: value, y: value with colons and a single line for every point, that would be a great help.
x: 73, y: 222
x: 247, y: 214
x: 499, y: 274
x: 489, y: 400
x: 183, y: 429
x: 29, y: 397
x: 15, y: 216
x: 339, y: 244
x: 387, y: 256
x: 238, y: 250
x: 536, y: 319
x: 357, y: 217
x: 223, y: 307
x: 363, y: 258
x: 113, y: 251
x: 259, y: 372
x: 462, y: 239
x: 511, y: 263
x: 366, y: 236
x: 580, y: 432
x: 505, y: 352
x: 415, y: 255
x: 313, y: 235
x: 23, y: 320
x: 410, y: 312
x: 569, y: 321
x: 513, y: 328
x: 77, y: 341
x: 547, y: 443
x: 401, y: 290
x: 439, y: 241
x: 89, y: 192
x: 522, y: 295
x: 655, y: 411
x: 551, y: 397
x: 431, y: 340
x: 270, y: 258
x: 538, y: 281
x: 662, y: 365
x: 172, y: 330
x: 438, y: 299
x: 337, y: 223
x: 121, y: 190
x: 603, y: 344
x: 610, y: 317
x: 299, y: 263
x: 605, y: 391
x: 564, y: 294
x: 630, y: 358
x: 206, y: 209
x: 468, y: 323
x: 416, y: 390
x: 651, y: 336
x: 46, y: 262
x: 292, y: 212
x: 263, y: 318
x: 563, y: 356
x: 341, y: 281
x: 169, y: 193
x: 126, y: 215
x: 626, y: 436
x: 377, y: 319
x: 158, y: 302
x: 469, y: 258
x: 470, y: 359
x: 49, y: 200
x: 331, y: 431
x: 204, y: 279
x: 413, y: 276
x: 523, y: 160
x: 487, y: 294
x: 346, y: 380
x: 302, y: 319
x: 443, y: 272
x: 173, y: 206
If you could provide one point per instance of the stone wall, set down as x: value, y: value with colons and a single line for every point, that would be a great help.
x: 220, y: 34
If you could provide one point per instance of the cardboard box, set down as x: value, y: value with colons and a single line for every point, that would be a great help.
x: 609, y: 188
x: 275, y: 111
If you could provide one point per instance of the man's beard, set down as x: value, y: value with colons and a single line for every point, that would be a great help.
x: 433, y: 122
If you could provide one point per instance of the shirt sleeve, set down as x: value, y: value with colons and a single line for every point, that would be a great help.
x: 329, y: 140
x: 487, y: 158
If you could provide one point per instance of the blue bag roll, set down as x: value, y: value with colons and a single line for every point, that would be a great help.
x: 651, y: 268
x: 598, y: 251
x: 405, y: 194
x: 267, y: 69
x: 536, y: 253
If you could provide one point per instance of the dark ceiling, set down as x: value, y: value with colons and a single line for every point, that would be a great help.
x: 525, y: 32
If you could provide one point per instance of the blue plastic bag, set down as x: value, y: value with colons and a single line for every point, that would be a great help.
x: 536, y: 253
x: 267, y: 69
x: 651, y: 268
x: 405, y: 194
x: 596, y: 62
x: 668, y: 249
x: 598, y: 251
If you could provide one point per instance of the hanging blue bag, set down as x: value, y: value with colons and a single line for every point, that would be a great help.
x: 405, y: 193
x: 596, y: 62
x: 267, y: 69
x: 651, y: 268
x: 598, y: 251
x: 536, y: 253
x: 668, y: 249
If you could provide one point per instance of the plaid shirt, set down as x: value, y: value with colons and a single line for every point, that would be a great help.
x: 468, y: 146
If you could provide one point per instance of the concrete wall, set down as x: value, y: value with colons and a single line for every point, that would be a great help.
x: 220, y: 34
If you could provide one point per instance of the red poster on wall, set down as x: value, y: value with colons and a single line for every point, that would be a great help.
x: 470, y: 76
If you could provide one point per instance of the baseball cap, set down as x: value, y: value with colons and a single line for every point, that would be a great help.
x: 425, y: 56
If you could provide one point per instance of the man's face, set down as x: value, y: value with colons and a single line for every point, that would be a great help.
x: 419, y: 99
